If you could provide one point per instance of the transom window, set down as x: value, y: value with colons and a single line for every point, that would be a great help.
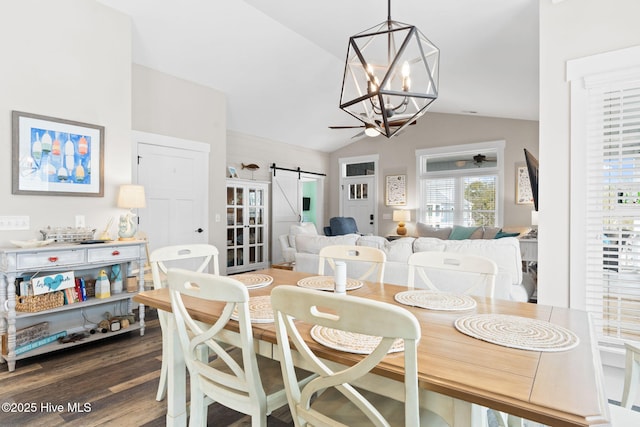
x: 461, y: 185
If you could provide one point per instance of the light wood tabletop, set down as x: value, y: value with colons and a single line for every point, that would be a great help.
x: 563, y: 388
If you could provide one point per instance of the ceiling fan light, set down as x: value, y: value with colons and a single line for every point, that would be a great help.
x: 371, y: 131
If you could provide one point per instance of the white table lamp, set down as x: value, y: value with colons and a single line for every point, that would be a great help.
x: 401, y: 217
x: 534, y: 218
x: 130, y: 197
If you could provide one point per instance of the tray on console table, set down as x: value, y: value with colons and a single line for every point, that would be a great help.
x: 18, y: 262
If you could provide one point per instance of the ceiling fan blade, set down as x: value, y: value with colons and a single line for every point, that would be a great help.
x: 345, y: 127
x: 358, y: 135
x: 398, y: 123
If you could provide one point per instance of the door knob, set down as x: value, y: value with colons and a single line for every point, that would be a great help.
x: 199, y: 230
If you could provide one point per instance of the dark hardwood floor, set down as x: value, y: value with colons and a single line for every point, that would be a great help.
x: 110, y: 382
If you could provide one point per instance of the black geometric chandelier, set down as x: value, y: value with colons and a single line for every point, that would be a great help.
x: 390, y: 77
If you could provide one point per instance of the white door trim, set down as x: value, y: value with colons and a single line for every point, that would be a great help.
x: 163, y: 141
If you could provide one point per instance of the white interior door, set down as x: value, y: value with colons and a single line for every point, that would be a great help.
x: 358, y: 201
x: 176, y: 188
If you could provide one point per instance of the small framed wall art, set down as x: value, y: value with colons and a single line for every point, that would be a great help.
x: 396, y: 190
x: 524, y: 195
x: 56, y: 157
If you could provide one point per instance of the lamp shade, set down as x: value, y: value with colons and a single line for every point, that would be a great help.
x: 401, y: 216
x: 131, y: 196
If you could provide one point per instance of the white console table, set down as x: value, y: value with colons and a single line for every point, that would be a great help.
x: 529, y: 250
x: 529, y: 253
x: 19, y: 262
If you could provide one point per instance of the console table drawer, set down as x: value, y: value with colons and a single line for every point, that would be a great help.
x: 49, y: 259
x: 116, y: 255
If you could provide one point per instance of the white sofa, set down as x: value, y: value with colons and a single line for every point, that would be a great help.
x: 504, y: 251
x: 288, y: 241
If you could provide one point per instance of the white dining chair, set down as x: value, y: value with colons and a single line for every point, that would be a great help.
x: 623, y: 415
x: 331, y: 399
x: 479, y: 277
x: 235, y: 377
x: 200, y: 256
x: 480, y: 272
x: 371, y: 260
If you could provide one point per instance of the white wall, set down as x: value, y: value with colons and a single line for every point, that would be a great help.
x: 68, y: 59
x: 568, y: 30
x: 247, y: 149
x: 170, y: 106
x: 397, y: 156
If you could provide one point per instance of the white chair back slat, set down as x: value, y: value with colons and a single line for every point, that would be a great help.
x: 373, y: 257
x: 623, y: 415
x: 421, y: 263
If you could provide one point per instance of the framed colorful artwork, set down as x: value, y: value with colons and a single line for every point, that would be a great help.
x: 56, y: 157
x: 396, y: 190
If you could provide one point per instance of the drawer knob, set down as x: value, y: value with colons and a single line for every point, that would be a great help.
x: 115, y: 253
x: 53, y: 258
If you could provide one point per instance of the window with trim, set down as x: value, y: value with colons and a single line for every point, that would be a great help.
x: 461, y: 185
x: 605, y: 199
x: 613, y: 208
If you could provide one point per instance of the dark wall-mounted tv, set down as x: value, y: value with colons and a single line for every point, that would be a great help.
x: 306, y: 203
x: 532, y: 168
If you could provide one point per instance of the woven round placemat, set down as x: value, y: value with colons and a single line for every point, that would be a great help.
x: 254, y: 280
x: 517, y: 332
x: 260, y: 310
x: 327, y: 283
x: 436, y: 300
x: 350, y: 342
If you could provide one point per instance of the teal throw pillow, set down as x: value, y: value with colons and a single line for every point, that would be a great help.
x: 502, y: 234
x: 461, y: 233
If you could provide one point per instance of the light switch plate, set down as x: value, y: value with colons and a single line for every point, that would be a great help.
x: 17, y: 222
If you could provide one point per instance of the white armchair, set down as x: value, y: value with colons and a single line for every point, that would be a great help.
x: 288, y: 241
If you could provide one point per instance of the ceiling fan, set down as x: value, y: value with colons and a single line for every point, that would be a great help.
x: 478, y: 159
x: 394, y: 123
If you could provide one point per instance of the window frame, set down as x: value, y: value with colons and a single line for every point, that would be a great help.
x: 584, y: 73
x: 459, y: 150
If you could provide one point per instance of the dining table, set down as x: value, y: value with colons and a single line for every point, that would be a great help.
x: 552, y: 386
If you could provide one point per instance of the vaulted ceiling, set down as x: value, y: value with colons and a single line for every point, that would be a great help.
x: 280, y: 62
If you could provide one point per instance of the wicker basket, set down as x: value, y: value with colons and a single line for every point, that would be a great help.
x: 33, y: 303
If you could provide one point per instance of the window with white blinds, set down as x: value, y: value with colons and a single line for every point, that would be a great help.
x: 613, y: 209
x: 468, y: 200
x: 461, y: 185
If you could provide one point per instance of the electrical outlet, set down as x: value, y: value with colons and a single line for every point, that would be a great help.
x: 217, y: 217
x: 14, y: 222
x: 80, y: 221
